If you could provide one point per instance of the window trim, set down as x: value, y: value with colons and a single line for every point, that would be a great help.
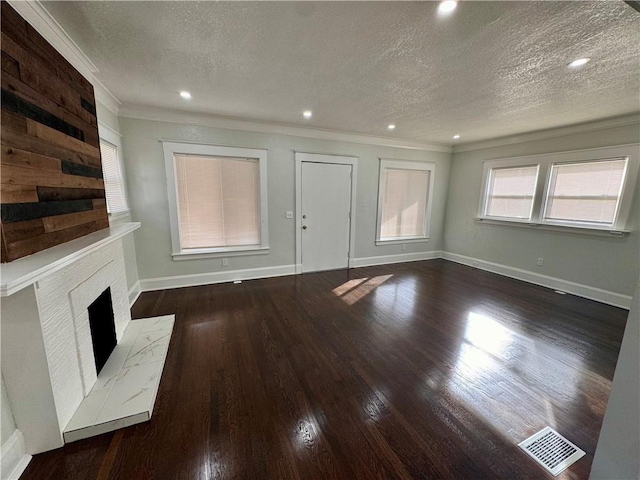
x: 386, y: 163
x: 181, y: 148
x: 109, y: 135
x: 545, y: 164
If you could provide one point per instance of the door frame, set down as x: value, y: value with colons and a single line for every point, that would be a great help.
x: 301, y: 157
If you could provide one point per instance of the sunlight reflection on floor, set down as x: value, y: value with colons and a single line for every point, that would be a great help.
x: 354, y: 290
x: 485, y: 362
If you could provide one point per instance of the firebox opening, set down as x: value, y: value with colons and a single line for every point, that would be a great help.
x: 103, y: 328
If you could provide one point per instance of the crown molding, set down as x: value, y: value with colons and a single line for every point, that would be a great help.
x: 235, y: 123
x: 632, y: 119
x: 47, y: 26
x: 105, y: 97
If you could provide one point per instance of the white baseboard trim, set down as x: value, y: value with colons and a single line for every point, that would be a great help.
x: 179, y: 281
x: 14, y: 456
x: 387, y: 259
x: 592, y: 293
x: 134, y: 293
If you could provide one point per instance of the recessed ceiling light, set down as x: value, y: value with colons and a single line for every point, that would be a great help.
x: 579, y: 62
x: 185, y: 95
x: 307, y: 114
x: 391, y: 127
x: 456, y: 136
x: 447, y: 6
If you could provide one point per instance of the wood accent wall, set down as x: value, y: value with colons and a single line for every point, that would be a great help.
x: 51, y: 175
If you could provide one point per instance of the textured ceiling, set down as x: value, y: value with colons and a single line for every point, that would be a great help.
x: 490, y: 69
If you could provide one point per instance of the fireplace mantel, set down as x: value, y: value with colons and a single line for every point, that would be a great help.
x: 26, y: 271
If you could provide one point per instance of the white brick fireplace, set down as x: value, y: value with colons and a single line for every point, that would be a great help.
x: 47, y: 354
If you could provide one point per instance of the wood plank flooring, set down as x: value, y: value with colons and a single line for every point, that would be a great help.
x: 418, y: 370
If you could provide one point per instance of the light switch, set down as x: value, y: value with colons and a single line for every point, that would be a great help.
x: 288, y: 214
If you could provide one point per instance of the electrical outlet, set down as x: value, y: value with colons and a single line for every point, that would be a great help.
x: 540, y: 261
x: 288, y: 214
x: 404, y: 247
x: 225, y: 262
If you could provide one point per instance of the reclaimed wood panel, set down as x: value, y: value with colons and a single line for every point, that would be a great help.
x: 51, y: 185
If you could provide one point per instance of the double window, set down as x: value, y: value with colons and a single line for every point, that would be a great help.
x: 404, y: 202
x: 590, y: 189
x: 218, y: 203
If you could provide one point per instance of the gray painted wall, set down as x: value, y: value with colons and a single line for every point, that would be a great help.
x: 609, y: 263
x: 7, y: 423
x: 148, y: 194
x: 618, y: 451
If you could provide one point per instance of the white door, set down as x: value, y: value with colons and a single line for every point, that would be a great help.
x: 326, y: 219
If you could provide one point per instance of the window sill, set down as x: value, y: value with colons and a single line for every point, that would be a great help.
x: 400, y: 241
x: 219, y: 252
x: 607, y: 232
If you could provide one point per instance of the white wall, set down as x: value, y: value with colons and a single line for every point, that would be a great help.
x: 609, y: 263
x: 618, y: 451
x: 148, y: 194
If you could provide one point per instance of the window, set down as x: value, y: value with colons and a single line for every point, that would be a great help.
x: 113, y: 181
x: 510, y: 192
x: 587, y: 193
x: 217, y: 198
x: 404, y: 201
x: 587, y: 189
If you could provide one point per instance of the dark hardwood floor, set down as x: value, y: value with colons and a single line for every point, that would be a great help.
x: 417, y: 370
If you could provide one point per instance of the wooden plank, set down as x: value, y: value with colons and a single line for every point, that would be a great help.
x: 14, y: 232
x: 34, y: 144
x: 72, y: 168
x: 13, y: 121
x: 48, y: 194
x: 22, y: 158
x: 20, y: 212
x: 61, y: 222
x: 99, y: 203
x: 10, y: 66
x: 58, y: 138
x: 29, y: 176
x: 24, y: 91
x: 18, y: 193
x: 32, y: 245
x: 13, y: 18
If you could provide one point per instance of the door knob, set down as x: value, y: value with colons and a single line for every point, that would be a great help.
x: 304, y: 227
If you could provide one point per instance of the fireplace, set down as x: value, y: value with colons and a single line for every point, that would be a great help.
x: 103, y: 328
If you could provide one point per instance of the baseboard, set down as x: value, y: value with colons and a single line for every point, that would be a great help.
x: 14, y: 456
x: 179, y: 281
x: 400, y: 258
x: 134, y: 293
x: 592, y: 293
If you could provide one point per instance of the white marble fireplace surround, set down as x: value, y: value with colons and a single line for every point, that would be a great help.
x: 47, y: 354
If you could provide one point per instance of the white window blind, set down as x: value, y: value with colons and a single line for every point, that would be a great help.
x: 510, y: 192
x: 113, y: 182
x: 404, y: 203
x: 585, y: 192
x: 218, y: 201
